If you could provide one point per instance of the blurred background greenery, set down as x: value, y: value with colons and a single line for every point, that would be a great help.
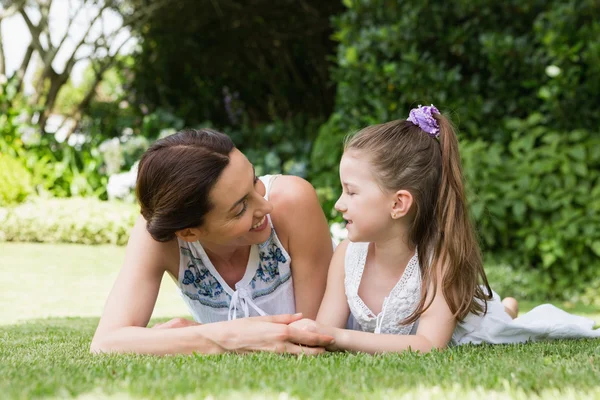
x: 288, y: 81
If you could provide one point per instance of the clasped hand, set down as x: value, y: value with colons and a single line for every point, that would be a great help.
x: 275, y: 333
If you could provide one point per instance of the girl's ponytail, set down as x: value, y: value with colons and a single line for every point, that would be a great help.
x: 457, y: 250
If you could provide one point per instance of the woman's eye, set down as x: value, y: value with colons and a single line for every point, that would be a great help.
x: 244, y: 208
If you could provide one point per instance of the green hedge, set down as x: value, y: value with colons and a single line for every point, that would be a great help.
x: 481, y: 59
x: 72, y: 220
x: 15, y: 181
x: 520, y: 79
x: 537, y: 202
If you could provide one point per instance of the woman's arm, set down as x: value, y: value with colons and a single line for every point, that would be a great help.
x: 129, y: 307
x: 297, y: 214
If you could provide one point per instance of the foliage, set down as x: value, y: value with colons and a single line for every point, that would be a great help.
x: 482, y: 60
x: 73, y: 220
x: 280, y: 146
x: 236, y: 59
x: 537, y: 202
x: 15, y: 181
x: 59, y: 168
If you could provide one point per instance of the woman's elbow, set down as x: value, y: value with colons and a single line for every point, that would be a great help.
x: 97, y: 346
x: 100, y: 344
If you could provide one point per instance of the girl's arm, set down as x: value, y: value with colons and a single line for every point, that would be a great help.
x: 435, y: 331
x: 298, y: 217
x: 129, y: 307
x: 334, y: 310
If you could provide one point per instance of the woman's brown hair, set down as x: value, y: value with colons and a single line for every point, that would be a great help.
x: 175, y: 176
x: 406, y: 157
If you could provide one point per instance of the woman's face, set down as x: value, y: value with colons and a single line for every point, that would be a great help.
x: 239, y: 212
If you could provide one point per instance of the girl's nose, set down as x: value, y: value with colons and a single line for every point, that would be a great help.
x: 339, y: 205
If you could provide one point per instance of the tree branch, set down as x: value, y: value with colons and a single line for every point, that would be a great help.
x: 34, y: 30
x: 20, y: 73
x: 2, y: 59
x: 13, y: 9
x: 70, y: 23
x: 72, y: 60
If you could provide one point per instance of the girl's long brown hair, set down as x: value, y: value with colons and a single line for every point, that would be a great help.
x: 406, y: 157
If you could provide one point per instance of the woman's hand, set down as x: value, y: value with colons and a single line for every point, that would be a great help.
x: 276, y: 334
x: 176, y: 323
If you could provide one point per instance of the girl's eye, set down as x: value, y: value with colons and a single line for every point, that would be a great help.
x: 244, y: 208
x: 255, y: 179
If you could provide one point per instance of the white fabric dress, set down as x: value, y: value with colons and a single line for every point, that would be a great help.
x: 496, y: 326
x: 265, y: 289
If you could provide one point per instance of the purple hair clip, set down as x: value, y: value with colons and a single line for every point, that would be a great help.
x: 423, y: 118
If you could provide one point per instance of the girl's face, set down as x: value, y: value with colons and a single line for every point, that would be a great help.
x: 239, y: 213
x: 363, y: 204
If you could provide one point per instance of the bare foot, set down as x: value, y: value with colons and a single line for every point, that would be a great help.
x: 511, y: 306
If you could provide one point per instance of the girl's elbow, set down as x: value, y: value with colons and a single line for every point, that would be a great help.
x: 426, y: 345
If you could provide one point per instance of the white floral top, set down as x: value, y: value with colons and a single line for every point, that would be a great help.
x: 265, y: 289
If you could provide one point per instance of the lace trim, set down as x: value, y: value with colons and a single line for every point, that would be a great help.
x: 399, y: 304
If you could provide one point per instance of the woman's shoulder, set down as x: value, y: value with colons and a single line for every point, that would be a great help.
x: 296, y: 206
x: 144, y: 252
x: 290, y: 189
x: 292, y: 195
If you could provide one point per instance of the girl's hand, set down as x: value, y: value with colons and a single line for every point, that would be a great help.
x: 306, y: 324
x: 275, y: 333
x: 312, y: 326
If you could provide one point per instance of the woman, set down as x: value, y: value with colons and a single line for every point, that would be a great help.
x: 246, y: 254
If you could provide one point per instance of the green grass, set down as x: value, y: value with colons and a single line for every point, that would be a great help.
x: 49, y: 357
x: 43, y: 280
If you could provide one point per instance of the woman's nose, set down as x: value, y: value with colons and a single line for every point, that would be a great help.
x: 265, y: 207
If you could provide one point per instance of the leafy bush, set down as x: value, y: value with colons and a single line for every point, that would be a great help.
x: 521, y: 283
x: 15, y: 181
x: 538, y: 201
x: 481, y: 59
x: 73, y: 220
x: 276, y: 64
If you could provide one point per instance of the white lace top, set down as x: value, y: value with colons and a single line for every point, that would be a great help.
x: 398, y: 304
x: 265, y: 289
x: 496, y: 326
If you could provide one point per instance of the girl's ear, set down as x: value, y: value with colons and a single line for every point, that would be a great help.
x: 403, y: 201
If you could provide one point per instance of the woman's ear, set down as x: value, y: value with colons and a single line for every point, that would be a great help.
x: 403, y: 201
x: 189, y: 234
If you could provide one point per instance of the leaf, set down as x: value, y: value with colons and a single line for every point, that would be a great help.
x: 595, y: 246
x: 351, y: 55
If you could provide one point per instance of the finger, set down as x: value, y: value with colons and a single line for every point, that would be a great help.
x: 309, y: 338
x: 158, y: 326
x: 279, y: 319
x: 292, y: 348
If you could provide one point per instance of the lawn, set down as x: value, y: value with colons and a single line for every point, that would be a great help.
x: 49, y: 357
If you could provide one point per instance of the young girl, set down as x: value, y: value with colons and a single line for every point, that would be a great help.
x: 409, y: 276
